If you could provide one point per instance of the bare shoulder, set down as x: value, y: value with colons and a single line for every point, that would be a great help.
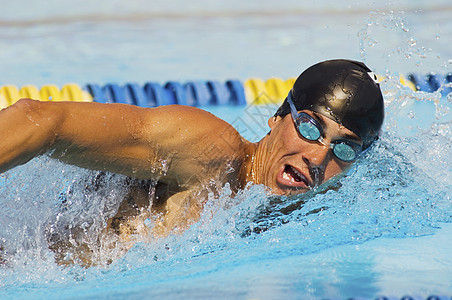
x: 198, y: 144
x: 181, y: 113
x: 184, y: 122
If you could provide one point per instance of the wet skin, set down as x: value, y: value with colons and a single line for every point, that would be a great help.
x: 174, y: 144
x: 181, y: 148
x: 282, y: 161
x: 289, y: 164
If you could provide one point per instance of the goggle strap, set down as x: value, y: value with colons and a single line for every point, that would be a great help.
x: 293, y: 109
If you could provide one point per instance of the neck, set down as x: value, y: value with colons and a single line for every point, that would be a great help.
x: 247, y: 171
x: 251, y: 171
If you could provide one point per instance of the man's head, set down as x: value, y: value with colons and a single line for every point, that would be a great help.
x: 344, y: 91
x: 334, y: 111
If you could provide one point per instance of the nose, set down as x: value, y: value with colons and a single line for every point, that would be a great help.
x: 316, y: 158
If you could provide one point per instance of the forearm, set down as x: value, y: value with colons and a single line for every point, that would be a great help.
x: 90, y: 135
x: 27, y: 129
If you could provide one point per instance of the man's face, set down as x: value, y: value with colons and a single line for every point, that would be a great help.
x: 290, y: 164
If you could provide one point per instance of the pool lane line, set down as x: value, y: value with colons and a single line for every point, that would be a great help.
x: 253, y: 91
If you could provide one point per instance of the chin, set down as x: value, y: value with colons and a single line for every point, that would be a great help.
x: 288, y: 191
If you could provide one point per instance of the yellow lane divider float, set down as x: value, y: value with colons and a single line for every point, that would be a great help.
x: 3, y: 102
x: 275, y: 90
x: 404, y: 81
x: 9, y: 94
x: 29, y: 91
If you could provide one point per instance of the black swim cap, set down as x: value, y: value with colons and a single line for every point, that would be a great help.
x: 345, y: 91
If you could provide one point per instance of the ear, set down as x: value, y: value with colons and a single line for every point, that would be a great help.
x: 272, y: 121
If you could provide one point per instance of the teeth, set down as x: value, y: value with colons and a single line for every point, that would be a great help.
x: 298, y: 173
x: 293, y: 175
x: 285, y: 176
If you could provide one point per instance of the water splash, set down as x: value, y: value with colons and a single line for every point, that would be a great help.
x: 400, y: 188
x: 387, y: 39
x: 386, y: 21
x: 50, y: 202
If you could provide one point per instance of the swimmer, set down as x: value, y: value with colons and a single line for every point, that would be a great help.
x: 332, y: 114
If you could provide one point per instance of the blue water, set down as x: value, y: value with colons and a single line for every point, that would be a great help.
x: 383, y: 229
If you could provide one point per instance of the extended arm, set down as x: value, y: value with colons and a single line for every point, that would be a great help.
x: 118, y: 138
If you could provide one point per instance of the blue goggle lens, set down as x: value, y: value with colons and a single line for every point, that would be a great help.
x: 344, y: 152
x: 309, y: 129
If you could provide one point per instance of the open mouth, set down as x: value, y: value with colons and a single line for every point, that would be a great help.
x: 294, y: 178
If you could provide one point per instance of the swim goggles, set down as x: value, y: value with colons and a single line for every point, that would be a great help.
x: 311, y: 130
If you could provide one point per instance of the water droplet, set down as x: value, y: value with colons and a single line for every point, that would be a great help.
x: 164, y: 166
x: 372, y: 42
x: 449, y: 97
x: 404, y: 27
x: 148, y: 223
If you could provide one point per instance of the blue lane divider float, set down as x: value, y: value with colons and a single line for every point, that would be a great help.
x: 437, y: 82
x: 192, y: 93
x: 432, y: 82
x: 135, y: 95
x: 115, y: 93
x: 198, y: 94
x: 177, y: 93
x: 155, y: 94
x: 97, y: 93
x: 220, y: 93
x: 237, y: 91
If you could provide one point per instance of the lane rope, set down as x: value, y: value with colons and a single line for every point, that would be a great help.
x: 253, y: 91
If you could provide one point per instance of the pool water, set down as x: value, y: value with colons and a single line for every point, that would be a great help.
x: 383, y: 229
